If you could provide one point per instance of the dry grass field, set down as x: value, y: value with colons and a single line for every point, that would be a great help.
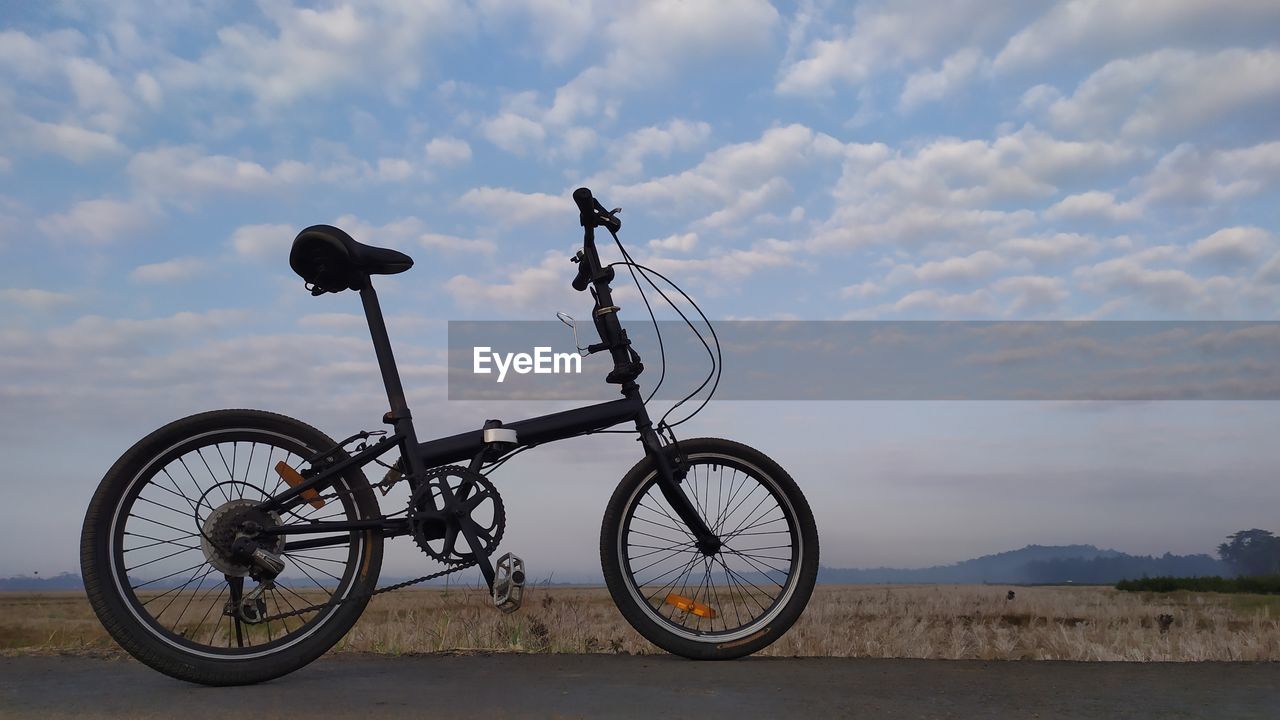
x: 948, y: 622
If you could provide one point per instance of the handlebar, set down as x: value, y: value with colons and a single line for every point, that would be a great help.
x: 591, y: 214
x: 586, y: 203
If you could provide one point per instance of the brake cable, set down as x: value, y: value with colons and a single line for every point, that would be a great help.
x: 715, y: 357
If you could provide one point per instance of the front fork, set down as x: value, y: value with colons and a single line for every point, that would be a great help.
x: 670, y: 477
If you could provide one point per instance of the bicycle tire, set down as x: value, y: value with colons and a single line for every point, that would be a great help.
x: 651, y: 614
x: 170, y: 651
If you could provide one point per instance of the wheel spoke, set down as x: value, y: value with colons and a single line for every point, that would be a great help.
x: 661, y: 556
x: 183, y: 604
x: 675, y: 523
x: 194, y: 593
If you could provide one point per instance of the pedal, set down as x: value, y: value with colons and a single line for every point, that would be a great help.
x: 508, y: 583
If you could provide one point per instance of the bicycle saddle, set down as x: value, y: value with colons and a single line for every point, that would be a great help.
x: 331, y: 261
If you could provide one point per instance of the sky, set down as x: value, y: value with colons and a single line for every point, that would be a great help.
x: 911, y: 160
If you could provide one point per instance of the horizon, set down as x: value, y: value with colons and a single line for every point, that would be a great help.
x: 788, y: 161
x: 472, y: 576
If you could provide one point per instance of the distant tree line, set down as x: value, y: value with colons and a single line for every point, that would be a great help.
x: 1107, y: 570
x: 1252, y: 556
x: 1262, y: 584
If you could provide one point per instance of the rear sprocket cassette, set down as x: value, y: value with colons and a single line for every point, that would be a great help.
x: 438, y: 531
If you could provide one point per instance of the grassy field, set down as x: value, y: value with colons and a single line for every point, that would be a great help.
x: 952, y: 622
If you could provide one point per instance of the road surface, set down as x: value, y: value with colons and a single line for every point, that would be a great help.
x: 570, y: 686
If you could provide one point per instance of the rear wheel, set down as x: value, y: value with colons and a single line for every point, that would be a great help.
x: 723, y: 605
x: 155, y: 559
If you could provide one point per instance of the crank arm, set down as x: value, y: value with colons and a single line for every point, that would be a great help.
x: 467, y: 527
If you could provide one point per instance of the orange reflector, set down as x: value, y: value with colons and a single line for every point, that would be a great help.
x: 691, y: 606
x: 291, y: 476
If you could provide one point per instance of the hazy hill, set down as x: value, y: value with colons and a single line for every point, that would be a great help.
x: 1037, y: 564
x: 64, y: 581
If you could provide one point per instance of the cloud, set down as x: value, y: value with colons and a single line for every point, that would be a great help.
x: 75, y: 143
x: 393, y: 169
x: 684, y: 242
x: 971, y: 268
x: 169, y: 270
x: 1094, y: 204
x: 893, y: 35
x: 911, y: 226
x: 36, y: 298
x: 186, y: 170
x: 1052, y: 248
x: 99, y: 95
x: 559, y: 28
x: 1270, y: 273
x: 1032, y: 293
x: 1192, y: 175
x: 319, y: 53
x: 447, y: 151
x: 148, y: 89
x: 98, y: 221
x: 527, y: 291
x: 408, y: 233
x: 1021, y: 165
x: 931, y: 86
x: 747, y: 203
x: 95, y: 333
x: 186, y: 173
x: 1102, y: 29
x: 720, y: 179
x: 38, y: 59
x: 263, y: 242
x: 512, y: 207
x: 514, y: 133
x: 455, y: 244
x: 940, y: 303
x: 731, y: 265
x: 333, y: 322
x: 947, y: 190
x: 1166, y: 288
x: 1235, y: 246
x: 1038, y: 98
x: 651, y: 41
x: 1171, y: 92
x: 655, y: 140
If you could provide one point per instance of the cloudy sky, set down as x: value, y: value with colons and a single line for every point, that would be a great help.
x: 905, y: 160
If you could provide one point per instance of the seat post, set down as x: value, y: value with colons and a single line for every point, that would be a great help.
x: 386, y: 360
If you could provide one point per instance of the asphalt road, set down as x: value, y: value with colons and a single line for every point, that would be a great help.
x: 568, y: 686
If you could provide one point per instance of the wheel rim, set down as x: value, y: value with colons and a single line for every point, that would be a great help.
x: 746, y: 585
x: 170, y: 586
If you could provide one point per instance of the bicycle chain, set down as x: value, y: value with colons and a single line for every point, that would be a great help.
x: 379, y: 591
x: 364, y: 596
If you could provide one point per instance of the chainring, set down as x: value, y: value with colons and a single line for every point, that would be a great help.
x: 438, y: 531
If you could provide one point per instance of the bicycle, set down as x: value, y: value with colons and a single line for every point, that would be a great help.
x: 708, y: 547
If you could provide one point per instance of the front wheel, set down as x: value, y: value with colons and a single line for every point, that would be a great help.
x: 721, y: 606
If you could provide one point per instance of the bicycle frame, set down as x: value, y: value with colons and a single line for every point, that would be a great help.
x: 472, y: 447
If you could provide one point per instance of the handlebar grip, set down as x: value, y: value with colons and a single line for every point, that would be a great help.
x: 586, y: 203
x: 592, y: 214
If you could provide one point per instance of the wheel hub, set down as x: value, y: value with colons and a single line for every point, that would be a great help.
x: 218, y: 534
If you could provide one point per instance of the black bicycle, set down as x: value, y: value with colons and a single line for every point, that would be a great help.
x: 235, y: 546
